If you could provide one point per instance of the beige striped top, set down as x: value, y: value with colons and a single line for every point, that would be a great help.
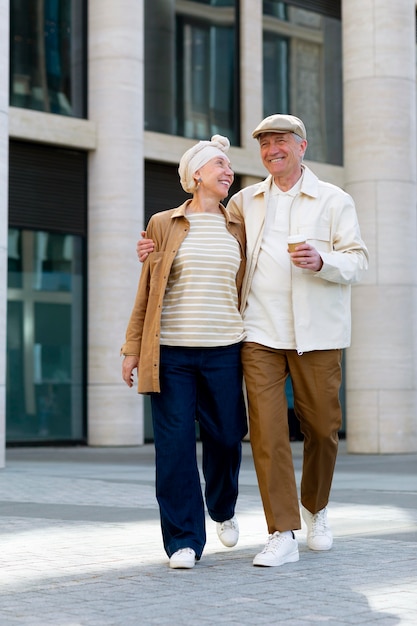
x: 200, y: 307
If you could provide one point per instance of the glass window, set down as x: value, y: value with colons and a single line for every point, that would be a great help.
x: 191, y: 77
x: 45, y: 365
x: 47, y: 56
x: 275, y: 60
x: 274, y: 8
x: 303, y: 74
x: 217, y: 3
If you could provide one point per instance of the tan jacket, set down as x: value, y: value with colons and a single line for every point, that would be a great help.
x: 326, y: 215
x: 167, y: 229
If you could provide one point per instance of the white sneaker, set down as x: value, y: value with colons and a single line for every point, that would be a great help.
x: 280, y: 548
x: 228, y: 532
x: 319, y: 534
x: 182, y: 559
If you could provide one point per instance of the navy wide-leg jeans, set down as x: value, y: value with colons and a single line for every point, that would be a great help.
x: 203, y: 384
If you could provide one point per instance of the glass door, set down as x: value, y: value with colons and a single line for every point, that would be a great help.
x: 45, y: 364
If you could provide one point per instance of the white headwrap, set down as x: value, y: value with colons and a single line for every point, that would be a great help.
x: 197, y: 156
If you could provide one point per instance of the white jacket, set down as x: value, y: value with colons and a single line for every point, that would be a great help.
x: 326, y: 215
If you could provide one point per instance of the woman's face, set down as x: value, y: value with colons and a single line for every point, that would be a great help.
x: 216, y: 176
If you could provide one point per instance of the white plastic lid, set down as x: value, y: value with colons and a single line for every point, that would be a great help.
x: 296, y: 239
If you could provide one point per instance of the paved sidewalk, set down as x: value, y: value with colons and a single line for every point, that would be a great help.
x: 80, y: 545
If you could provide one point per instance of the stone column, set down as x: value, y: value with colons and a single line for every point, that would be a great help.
x: 380, y: 173
x: 4, y: 213
x: 115, y: 214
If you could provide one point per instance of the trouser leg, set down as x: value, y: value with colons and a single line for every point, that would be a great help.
x: 316, y: 378
x: 265, y: 371
x: 178, y: 487
x: 223, y: 424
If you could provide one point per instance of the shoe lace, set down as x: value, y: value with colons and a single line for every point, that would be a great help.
x: 319, y: 523
x: 184, y: 551
x: 274, y: 542
x: 229, y: 523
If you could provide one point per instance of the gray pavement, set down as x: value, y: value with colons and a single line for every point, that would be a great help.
x: 81, y: 546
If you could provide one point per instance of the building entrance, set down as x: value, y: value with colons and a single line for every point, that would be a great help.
x: 45, y: 385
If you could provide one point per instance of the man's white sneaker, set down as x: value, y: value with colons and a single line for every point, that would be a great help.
x: 280, y: 548
x: 228, y: 532
x: 182, y: 559
x: 319, y: 534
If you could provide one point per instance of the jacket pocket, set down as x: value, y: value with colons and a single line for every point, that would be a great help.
x: 317, y: 236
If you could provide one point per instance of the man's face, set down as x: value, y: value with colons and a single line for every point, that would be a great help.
x: 282, y: 153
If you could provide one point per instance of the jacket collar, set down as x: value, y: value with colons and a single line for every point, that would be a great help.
x: 181, y: 212
x: 309, y: 184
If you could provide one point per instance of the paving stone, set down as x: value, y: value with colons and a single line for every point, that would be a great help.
x: 80, y: 545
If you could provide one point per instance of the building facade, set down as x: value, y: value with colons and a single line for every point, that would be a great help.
x: 97, y: 103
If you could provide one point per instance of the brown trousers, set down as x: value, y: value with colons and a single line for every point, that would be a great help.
x: 316, y: 378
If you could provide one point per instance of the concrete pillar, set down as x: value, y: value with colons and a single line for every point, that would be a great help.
x: 4, y: 212
x: 115, y: 70
x: 380, y: 173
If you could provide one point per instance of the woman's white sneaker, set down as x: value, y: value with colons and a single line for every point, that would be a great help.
x: 182, y: 559
x: 280, y: 548
x: 319, y: 534
x: 228, y: 532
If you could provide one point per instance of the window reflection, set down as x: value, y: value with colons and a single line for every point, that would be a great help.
x: 14, y: 258
x: 53, y: 260
x: 303, y: 76
x: 47, y: 56
x: 276, y: 9
x: 191, y: 68
x: 276, y: 65
x: 45, y: 367
x: 217, y: 3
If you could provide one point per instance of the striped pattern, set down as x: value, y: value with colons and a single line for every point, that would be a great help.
x: 200, y: 307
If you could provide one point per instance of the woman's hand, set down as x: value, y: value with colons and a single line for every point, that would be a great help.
x: 130, y: 363
x: 144, y: 247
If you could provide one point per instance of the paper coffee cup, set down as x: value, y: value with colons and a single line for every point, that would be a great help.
x: 294, y: 241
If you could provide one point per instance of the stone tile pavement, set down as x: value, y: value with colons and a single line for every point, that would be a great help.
x: 80, y: 545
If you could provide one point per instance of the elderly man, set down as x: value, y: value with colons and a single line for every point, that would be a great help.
x: 296, y: 312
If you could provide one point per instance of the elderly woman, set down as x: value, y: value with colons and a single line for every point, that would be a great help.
x: 184, y: 337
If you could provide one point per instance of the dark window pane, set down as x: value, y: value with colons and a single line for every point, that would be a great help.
x: 217, y: 3
x: 47, y: 56
x: 277, y: 9
x: 47, y: 188
x: 303, y: 74
x: 276, y: 79
x: 14, y: 258
x: 205, y: 102
x: 45, y: 364
x: 191, y: 77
